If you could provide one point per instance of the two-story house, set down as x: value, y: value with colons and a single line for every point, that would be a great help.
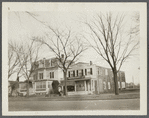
x: 88, y: 78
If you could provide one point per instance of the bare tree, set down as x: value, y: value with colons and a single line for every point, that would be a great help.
x: 135, y: 30
x: 27, y: 57
x: 66, y: 46
x: 13, y: 59
x: 111, y: 41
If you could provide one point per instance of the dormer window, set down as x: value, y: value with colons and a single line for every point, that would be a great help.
x: 51, y: 63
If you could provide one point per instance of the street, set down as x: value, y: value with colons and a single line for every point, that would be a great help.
x: 120, y: 104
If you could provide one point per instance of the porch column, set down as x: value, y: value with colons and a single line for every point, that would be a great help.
x: 35, y: 87
x: 44, y: 74
x: 91, y: 85
x: 75, y: 87
x: 46, y: 84
x: 85, y: 85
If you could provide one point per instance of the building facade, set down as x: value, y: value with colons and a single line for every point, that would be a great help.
x: 88, y: 78
x: 82, y: 78
x: 45, y: 72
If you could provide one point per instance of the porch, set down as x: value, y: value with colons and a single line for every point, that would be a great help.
x: 83, y: 86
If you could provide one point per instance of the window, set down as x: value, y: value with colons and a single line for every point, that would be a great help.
x: 85, y: 71
x: 77, y: 72
x: 35, y: 77
x: 51, y: 74
x: 104, y: 85
x: 40, y: 75
x: 91, y: 71
x: 99, y: 71
x: 80, y: 72
x: 40, y: 85
x: 71, y: 73
x: 68, y: 73
x: 70, y: 88
x: 108, y: 85
x: 74, y: 73
x: 106, y: 72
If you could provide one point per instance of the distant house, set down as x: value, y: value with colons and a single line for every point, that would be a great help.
x: 13, y: 88
x: 23, y: 88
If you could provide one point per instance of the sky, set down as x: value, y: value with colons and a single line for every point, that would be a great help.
x: 22, y: 26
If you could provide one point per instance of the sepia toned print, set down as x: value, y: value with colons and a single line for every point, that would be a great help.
x: 67, y: 58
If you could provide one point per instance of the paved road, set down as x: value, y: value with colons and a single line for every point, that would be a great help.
x: 121, y: 104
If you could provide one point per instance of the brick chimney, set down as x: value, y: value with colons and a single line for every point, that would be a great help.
x: 91, y: 63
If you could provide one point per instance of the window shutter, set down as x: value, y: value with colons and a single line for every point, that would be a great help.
x: 91, y: 71
x: 50, y: 74
x: 85, y: 71
x: 82, y: 72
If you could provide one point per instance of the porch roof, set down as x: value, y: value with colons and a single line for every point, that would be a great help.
x: 79, y: 79
x: 72, y: 81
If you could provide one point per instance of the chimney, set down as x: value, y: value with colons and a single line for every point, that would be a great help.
x: 44, y: 60
x: 91, y: 63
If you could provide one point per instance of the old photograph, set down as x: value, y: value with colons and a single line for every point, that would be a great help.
x: 72, y: 57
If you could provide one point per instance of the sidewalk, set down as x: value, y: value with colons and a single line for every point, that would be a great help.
x: 110, y: 96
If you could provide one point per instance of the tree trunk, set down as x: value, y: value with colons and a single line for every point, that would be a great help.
x: 116, y: 83
x: 11, y: 91
x: 27, y: 95
x: 65, y: 79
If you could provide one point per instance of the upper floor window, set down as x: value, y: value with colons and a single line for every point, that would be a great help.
x: 100, y: 71
x: 77, y: 73
x: 35, y: 77
x: 85, y: 71
x: 74, y: 73
x: 40, y: 75
x: 51, y: 74
x: 89, y: 71
x: 71, y: 73
x: 106, y: 72
x: 80, y: 72
x: 68, y: 73
x: 51, y: 63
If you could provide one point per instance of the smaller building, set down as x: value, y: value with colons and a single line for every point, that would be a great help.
x: 23, y: 88
x: 13, y: 88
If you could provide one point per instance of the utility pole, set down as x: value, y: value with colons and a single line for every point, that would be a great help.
x: 133, y: 81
